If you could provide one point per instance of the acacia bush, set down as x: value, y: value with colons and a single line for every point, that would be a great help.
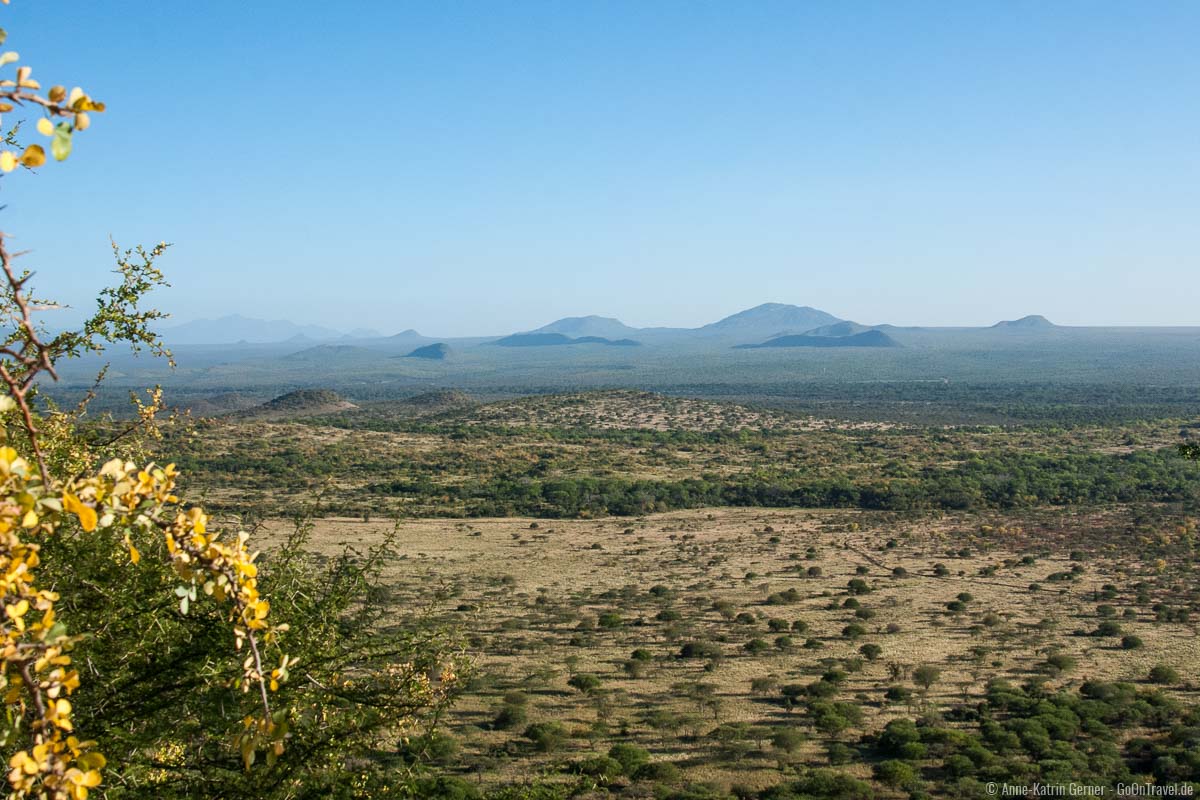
x: 210, y: 671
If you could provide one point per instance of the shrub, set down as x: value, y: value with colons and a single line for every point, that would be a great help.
x: 787, y: 740
x: 763, y: 685
x: 546, y: 737
x: 610, y: 620
x: 509, y: 716
x: 658, y: 772
x: 858, y: 586
x: 431, y: 748
x: 629, y: 756
x: 700, y: 650
x: 445, y: 787
x: 1060, y: 662
x: 1161, y: 673
x: 585, y: 682
x: 896, y: 734
x: 602, y: 768
x: 895, y: 773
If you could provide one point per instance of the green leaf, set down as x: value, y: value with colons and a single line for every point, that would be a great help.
x: 56, y: 632
x: 3, y: 36
x: 60, y: 145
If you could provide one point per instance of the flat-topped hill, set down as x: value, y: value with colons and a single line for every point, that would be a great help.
x: 301, y: 403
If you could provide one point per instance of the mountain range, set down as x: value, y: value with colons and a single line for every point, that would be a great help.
x: 236, y: 328
x: 754, y: 326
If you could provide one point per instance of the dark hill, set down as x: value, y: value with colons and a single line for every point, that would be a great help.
x: 328, y: 352
x: 431, y: 352
x: 221, y: 404
x: 865, y: 339
x: 301, y: 403
x: 605, y: 327
x: 602, y: 340
x: 557, y: 339
x: 1033, y: 322
x: 846, y: 328
x: 768, y: 319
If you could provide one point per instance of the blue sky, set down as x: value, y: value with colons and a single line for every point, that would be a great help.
x: 480, y: 167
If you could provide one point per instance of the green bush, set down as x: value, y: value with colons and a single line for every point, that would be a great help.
x: 1161, y: 673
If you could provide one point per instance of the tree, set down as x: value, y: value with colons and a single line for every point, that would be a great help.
x: 871, y: 651
x: 926, y: 676
x: 185, y: 652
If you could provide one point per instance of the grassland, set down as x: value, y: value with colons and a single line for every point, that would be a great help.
x: 1032, y: 574
x: 766, y: 593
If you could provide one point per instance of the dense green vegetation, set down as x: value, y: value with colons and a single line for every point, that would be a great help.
x: 999, y: 482
x: 462, y: 462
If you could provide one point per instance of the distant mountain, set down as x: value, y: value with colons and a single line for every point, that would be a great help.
x: 768, y: 319
x: 236, y: 328
x: 602, y: 340
x: 605, y: 327
x: 327, y: 353
x: 556, y: 339
x: 846, y: 328
x: 301, y: 403
x: 218, y: 405
x: 431, y: 352
x: 1032, y: 322
x: 363, y: 333
x: 870, y: 338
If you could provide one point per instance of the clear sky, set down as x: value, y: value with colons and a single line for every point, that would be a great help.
x: 481, y: 167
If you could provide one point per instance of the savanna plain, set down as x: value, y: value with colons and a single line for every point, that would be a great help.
x: 663, y: 596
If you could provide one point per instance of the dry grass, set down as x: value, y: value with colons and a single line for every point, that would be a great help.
x: 522, y: 591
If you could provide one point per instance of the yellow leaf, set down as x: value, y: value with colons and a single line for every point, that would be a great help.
x: 58, y: 94
x: 92, y: 760
x: 9, y: 57
x: 134, y: 555
x: 73, y: 505
x: 45, y: 127
x: 82, y: 121
x: 34, y: 156
x: 30, y: 519
x: 8, y: 161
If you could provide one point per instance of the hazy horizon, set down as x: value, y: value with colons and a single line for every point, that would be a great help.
x: 487, y: 168
x: 362, y: 332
